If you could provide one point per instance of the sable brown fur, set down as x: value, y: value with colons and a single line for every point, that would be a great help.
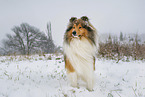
x: 68, y: 65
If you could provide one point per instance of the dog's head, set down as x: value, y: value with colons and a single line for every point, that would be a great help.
x: 78, y: 28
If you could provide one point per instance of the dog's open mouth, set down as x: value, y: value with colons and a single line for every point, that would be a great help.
x: 76, y: 36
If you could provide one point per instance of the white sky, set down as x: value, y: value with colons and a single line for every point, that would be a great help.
x: 108, y: 16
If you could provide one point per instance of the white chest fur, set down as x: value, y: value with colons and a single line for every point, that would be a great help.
x: 80, y: 53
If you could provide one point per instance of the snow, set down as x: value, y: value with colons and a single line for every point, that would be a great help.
x: 45, y: 76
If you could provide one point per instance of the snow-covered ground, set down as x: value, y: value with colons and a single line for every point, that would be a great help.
x: 45, y: 76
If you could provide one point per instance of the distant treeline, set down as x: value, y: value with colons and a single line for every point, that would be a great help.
x: 122, y: 49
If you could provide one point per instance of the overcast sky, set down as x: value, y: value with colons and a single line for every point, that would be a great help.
x: 108, y: 16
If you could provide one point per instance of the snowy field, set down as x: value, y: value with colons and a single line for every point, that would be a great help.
x: 45, y: 76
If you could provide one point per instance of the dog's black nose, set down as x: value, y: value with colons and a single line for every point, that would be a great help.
x: 74, y: 33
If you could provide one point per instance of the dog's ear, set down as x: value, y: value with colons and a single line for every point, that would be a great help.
x: 85, y: 18
x: 72, y: 19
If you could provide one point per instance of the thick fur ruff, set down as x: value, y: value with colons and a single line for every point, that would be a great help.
x: 79, y: 55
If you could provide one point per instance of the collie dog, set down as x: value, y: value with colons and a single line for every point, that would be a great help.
x: 80, y: 46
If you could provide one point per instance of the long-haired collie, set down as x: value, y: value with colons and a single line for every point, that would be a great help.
x: 80, y: 47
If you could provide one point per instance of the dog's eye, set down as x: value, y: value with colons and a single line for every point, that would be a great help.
x: 80, y: 27
x: 73, y: 27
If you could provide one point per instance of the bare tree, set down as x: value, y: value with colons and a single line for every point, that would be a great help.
x: 121, y: 36
x: 50, y: 46
x: 26, y: 39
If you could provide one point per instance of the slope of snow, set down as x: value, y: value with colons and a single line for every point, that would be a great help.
x: 45, y: 76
